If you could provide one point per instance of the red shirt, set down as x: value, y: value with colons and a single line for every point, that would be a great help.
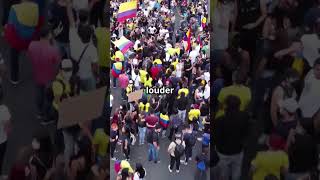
x: 45, y: 61
x: 154, y: 72
x: 152, y: 120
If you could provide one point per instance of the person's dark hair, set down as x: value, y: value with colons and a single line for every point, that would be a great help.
x: 239, y: 77
x: 44, y: 32
x: 183, y: 94
x: 158, y: 126
x: 271, y: 177
x: 151, y: 111
x: 232, y: 104
x: 83, y: 16
x: 85, y: 33
x: 140, y: 170
x: 316, y: 62
x: 124, y: 173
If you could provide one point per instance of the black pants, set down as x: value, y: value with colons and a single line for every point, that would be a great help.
x: 113, y: 148
x: 97, y: 13
x: 174, y: 160
x: 14, y: 64
x: 127, y: 152
x: 188, y: 152
x: 3, y: 148
x: 172, y: 132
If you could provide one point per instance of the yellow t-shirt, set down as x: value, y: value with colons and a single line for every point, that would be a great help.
x: 243, y: 92
x: 193, y: 113
x: 185, y: 90
x: 129, y: 88
x: 101, y: 139
x: 103, y: 46
x: 269, y: 162
x: 174, y: 63
x: 144, y: 107
x: 143, y: 75
x: 59, y: 89
x: 148, y: 82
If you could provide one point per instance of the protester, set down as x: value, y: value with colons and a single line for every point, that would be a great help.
x: 176, y: 150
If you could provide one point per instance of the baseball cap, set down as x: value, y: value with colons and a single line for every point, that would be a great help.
x: 66, y: 63
x: 290, y: 104
x: 130, y: 82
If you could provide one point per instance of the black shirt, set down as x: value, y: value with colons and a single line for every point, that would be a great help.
x: 182, y: 103
x: 187, y: 65
x: 230, y: 132
x: 58, y: 14
x: 302, y: 154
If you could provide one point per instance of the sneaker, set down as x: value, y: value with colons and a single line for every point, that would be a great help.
x: 46, y: 122
x: 190, y: 159
x: 182, y: 161
x: 177, y: 171
x: 14, y: 82
x: 170, y: 170
x: 185, y: 163
x: 114, y: 159
x: 39, y: 116
x: 199, y: 139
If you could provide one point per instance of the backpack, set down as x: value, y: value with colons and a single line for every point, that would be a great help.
x: 179, y: 150
x: 192, y: 139
x: 75, y: 79
x: 201, y: 165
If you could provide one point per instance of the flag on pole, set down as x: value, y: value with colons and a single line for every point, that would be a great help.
x: 127, y: 10
x: 123, y: 44
x: 187, y: 40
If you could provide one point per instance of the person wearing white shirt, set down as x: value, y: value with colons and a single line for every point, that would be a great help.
x: 179, y: 68
x: 5, y: 119
x: 310, y: 98
x: 135, y: 77
x: 207, y: 91
x: 311, y: 46
x: 81, y: 43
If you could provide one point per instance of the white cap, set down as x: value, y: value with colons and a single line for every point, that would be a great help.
x: 131, y: 82
x: 290, y: 104
x: 66, y: 63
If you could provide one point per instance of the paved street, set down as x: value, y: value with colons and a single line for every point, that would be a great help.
x: 21, y: 101
x: 139, y: 155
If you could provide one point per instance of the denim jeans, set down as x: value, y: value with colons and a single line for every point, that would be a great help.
x: 41, y: 100
x: 88, y: 84
x: 230, y: 165
x: 142, y: 133
x: 69, y: 145
x: 152, y: 152
x: 182, y: 115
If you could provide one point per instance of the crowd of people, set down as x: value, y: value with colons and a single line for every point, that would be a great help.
x: 66, y: 43
x: 167, y: 47
x: 266, y: 85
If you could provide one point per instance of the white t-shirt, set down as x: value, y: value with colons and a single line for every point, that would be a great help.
x: 309, y: 102
x: 179, y: 67
x: 5, y: 116
x: 193, y: 55
x: 89, y: 57
x: 111, y: 100
x: 311, y: 46
x: 221, y: 18
x: 135, y: 79
x: 206, y: 92
x: 206, y: 76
